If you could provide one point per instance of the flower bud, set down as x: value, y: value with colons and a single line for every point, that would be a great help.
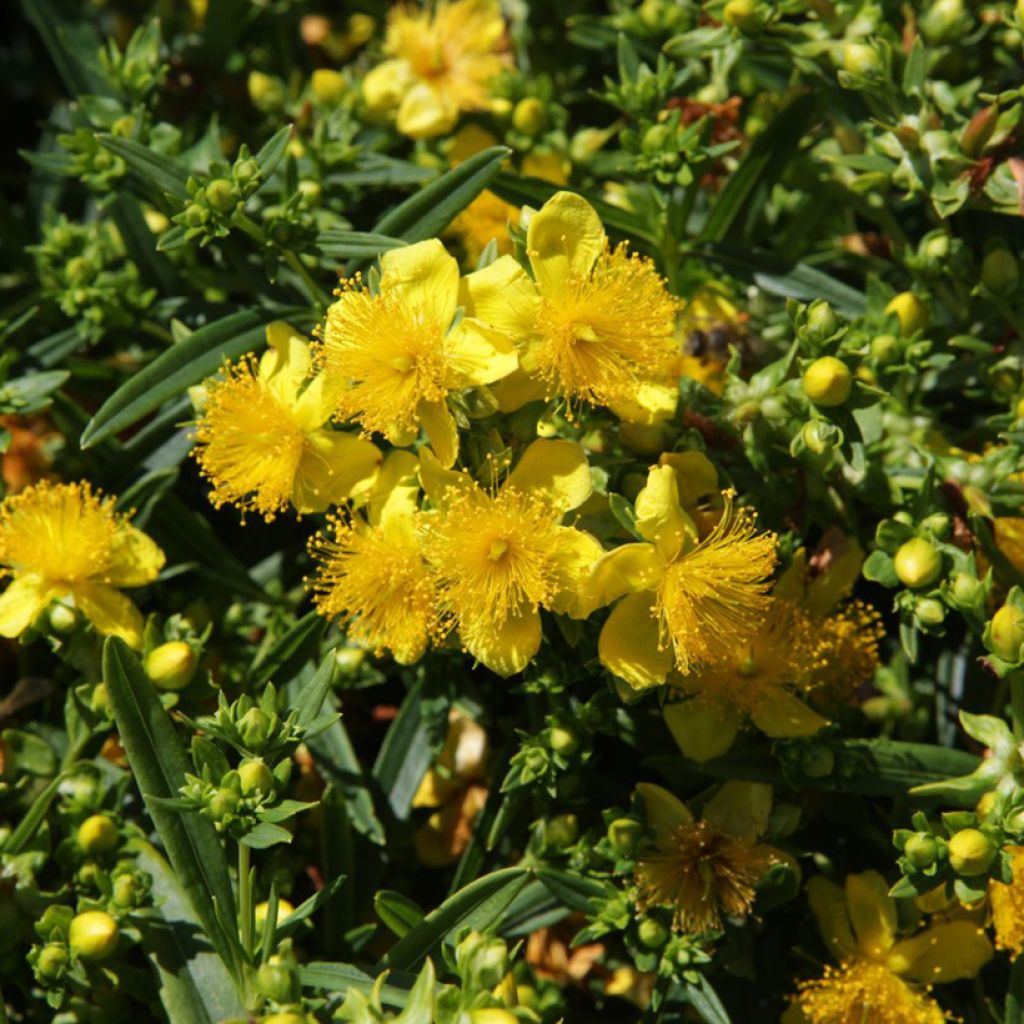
x: 482, y: 962
x: 285, y: 1017
x: 827, y: 381
x: 220, y: 195
x: 265, y: 91
x: 917, y: 563
x: 885, y: 349
x: 255, y: 777
x: 277, y: 981
x: 744, y: 16
x: 1006, y: 633
x: 328, y: 86
x: 223, y: 803
x: 911, y: 312
x: 93, y: 935
x: 930, y: 611
x: 652, y: 933
x: 860, y: 59
x: 562, y: 741
x: 819, y: 437
x: 171, y: 666
x: 127, y: 891
x: 1000, y: 273
x: 971, y: 852
x: 624, y: 836
x: 822, y: 321
x: 97, y: 834
x: 937, y: 524
x: 561, y: 831
x: 529, y: 115
x: 921, y: 850
x: 52, y: 962
x: 943, y: 21
x: 284, y: 909
x: 656, y: 138
x: 492, y: 1015
x: 255, y: 727
x: 966, y: 591
x: 817, y: 761
x: 62, y: 618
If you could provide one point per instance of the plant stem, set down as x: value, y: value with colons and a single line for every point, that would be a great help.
x: 320, y: 298
x: 245, y: 897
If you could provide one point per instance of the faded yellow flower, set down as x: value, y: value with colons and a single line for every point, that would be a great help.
x: 1007, y: 902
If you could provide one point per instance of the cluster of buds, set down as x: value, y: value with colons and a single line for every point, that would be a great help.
x: 214, y: 204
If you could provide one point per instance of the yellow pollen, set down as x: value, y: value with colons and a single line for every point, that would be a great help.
x: 607, y: 331
x: 248, y: 444
x: 1007, y: 903
x: 497, y: 550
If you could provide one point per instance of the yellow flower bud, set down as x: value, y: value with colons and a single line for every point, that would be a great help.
x: 492, y: 1015
x: 171, y: 666
x: 287, y: 1017
x: 860, y: 59
x: 255, y: 777
x: 1006, y: 633
x: 911, y: 312
x: 93, y: 935
x: 827, y: 381
x: 500, y: 107
x: 917, y: 563
x: 921, y: 850
x: 284, y: 908
x: 97, y: 834
x: 971, y: 852
x: 528, y: 116
x: 743, y: 15
x: 265, y: 91
x: 156, y: 221
x: 328, y: 86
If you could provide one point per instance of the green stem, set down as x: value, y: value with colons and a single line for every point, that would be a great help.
x: 245, y: 898
x: 318, y: 296
x: 1017, y: 703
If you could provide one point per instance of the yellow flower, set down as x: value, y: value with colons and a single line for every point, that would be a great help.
x: 692, y: 593
x: 1007, y: 902
x: 705, y: 869
x: 592, y: 325
x: 762, y: 680
x: 395, y: 357
x: 486, y: 219
x: 262, y: 441
x: 371, y: 573
x: 65, y: 542
x: 500, y: 555
x: 882, y: 979
x: 441, y: 64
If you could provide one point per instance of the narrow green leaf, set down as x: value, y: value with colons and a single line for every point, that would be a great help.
x: 348, y: 245
x: 493, y: 891
x: 573, y: 891
x: 339, y: 978
x: 307, y: 909
x: 420, y: 1007
x: 273, y: 150
x: 72, y: 48
x: 397, y: 911
x: 405, y: 754
x: 194, y: 984
x: 313, y: 695
x: 265, y: 835
x: 290, y: 652
x: 159, y: 764
x: 160, y: 172
x: 428, y: 212
x: 184, y: 364
x: 704, y: 999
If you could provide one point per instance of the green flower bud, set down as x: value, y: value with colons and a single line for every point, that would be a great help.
x: 624, y: 835
x: 930, y: 611
x: 255, y: 727
x: 822, y: 321
x: 529, y: 116
x: 885, y: 349
x: 97, y: 834
x: 921, y: 850
x: 827, y: 381
x: 819, y: 437
x: 482, y: 962
x: 656, y: 138
x: 221, y: 195
x: 277, y: 981
x: 966, y: 590
x: 860, y: 59
x: 1006, y: 633
x: 562, y: 741
x: 937, y: 524
x: 817, y: 761
x: 971, y: 852
x: 652, y: 933
x: 910, y: 311
x: 255, y: 777
x: 93, y: 935
x: 127, y: 891
x: 561, y: 831
x: 265, y: 91
x: 917, y: 563
x: 52, y: 962
x: 223, y: 803
x: 1000, y: 273
x: 744, y: 16
x: 62, y: 618
x: 171, y: 666
x: 943, y: 21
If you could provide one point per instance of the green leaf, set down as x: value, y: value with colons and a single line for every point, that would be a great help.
x: 266, y: 834
x: 289, y: 653
x: 405, y: 755
x: 33, y: 817
x: 704, y: 999
x: 747, y: 188
x: 879, y: 568
x: 348, y: 245
x: 184, y: 364
x: 194, y: 984
x: 339, y: 978
x: 270, y: 155
x: 420, y: 1007
x: 522, y: 191
x: 428, y: 212
x: 159, y: 764
x: 571, y: 890
x: 72, y: 48
x: 397, y: 911
x: 307, y: 909
x: 153, y: 169
x: 313, y: 695
x: 479, y: 901
x: 1013, y: 1011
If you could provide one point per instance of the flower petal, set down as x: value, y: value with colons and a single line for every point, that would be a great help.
x: 507, y: 648
x: 286, y: 364
x: 518, y: 389
x: 503, y: 296
x: 110, y: 612
x: 828, y: 904
x: 781, y: 715
x: 942, y: 953
x: 872, y: 912
x: 629, y: 643
x: 577, y: 554
x: 22, y: 603
x: 135, y: 558
x: 696, y: 476
x: 741, y: 809
x: 426, y: 111
x: 437, y: 480
x: 386, y: 84
x: 441, y: 430
x: 478, y: 354
x: 565, y: 237
x: 659, y: 516
x: 424, y: 278
x: 333, y: 466
x: 665, y: 812
x: 702, y: 729
x: 557, y: 469
x: 628, y: 569
x: 650, y: 403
